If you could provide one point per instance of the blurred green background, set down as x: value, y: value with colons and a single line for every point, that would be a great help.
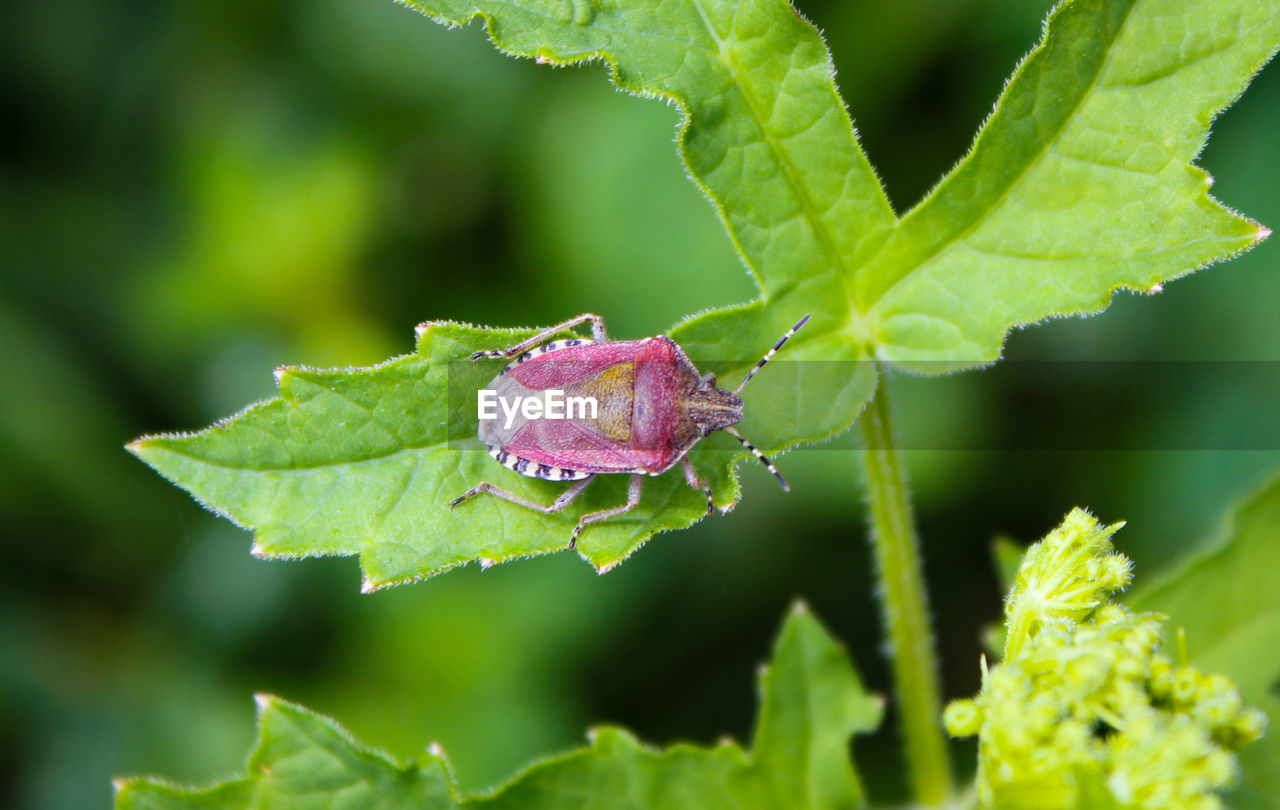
x: 194, y: 193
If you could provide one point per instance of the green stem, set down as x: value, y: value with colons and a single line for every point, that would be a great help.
x: 906, y: 615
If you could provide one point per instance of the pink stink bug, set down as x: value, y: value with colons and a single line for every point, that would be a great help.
x: 651, y: 405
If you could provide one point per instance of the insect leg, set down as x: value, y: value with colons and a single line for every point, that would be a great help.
x: 567, y: 497
x: 691, y: 475
x: 633, y: 498
x: 598, y: 334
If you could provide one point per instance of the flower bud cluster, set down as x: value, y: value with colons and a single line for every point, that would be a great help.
x: 1086, y: 700
x: 1066, y: 576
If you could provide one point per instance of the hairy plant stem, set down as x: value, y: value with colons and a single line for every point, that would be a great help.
x: 906, y: 615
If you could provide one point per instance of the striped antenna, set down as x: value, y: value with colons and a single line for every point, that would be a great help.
x: 763, y: 458
x: 767, y: 357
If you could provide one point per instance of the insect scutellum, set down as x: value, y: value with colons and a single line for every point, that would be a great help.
x: 650, y: 406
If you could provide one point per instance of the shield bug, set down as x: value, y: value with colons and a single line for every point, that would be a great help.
x: 648, y: 406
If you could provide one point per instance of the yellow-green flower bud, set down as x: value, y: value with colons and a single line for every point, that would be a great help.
x: 1086, y: 700
x: 962, y: 718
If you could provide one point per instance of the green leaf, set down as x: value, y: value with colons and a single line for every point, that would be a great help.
x: 811, y: 702
x: 366, y: 461
x: 304, y: 760
x: 1227, y: 598
x: 765, y: 132
x: 1079, y: 184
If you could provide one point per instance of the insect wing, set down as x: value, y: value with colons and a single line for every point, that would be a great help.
x: 595, y: 435
x: 571, y: 364
x: 576, y: 445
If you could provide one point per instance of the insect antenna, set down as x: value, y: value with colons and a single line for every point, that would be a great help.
x: 769, y: 356
x: 763, y: 458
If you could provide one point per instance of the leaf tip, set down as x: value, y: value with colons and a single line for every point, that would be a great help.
x: 263, y: 701
x: 732, y: 504
x: 1154, y: 289
x: 421, y: 330
x: 118, y: 784
x: 486, y: 563
x: 368, y: 585
x: 436, y: 750
x: 1262, y: 233
x: 799, y: 607
x: 606, y: 568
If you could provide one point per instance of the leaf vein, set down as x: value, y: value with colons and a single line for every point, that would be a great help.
x: 808, y: 207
